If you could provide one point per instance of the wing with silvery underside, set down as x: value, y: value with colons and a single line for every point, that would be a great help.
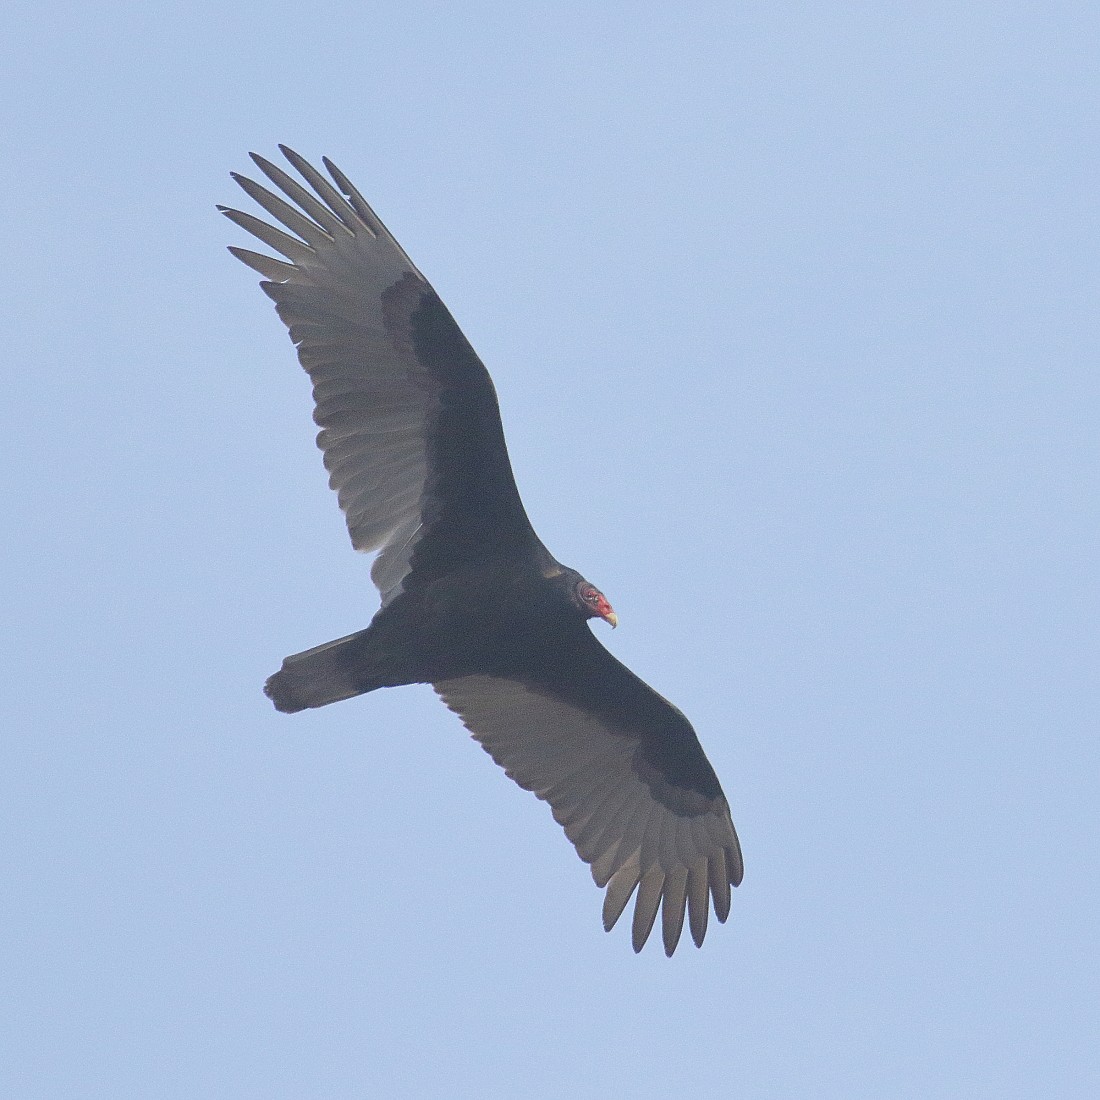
x: 624, y: 775
x: 410, y: 426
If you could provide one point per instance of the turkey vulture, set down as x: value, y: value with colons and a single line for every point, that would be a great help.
x: 472, y: 602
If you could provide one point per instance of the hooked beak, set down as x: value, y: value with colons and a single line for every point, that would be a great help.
x: 610, y: 617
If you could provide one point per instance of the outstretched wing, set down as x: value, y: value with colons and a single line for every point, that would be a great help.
x: 624, y: 775
x: 410, y: 426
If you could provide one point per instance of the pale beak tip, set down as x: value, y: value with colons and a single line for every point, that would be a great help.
x: 612, y: 618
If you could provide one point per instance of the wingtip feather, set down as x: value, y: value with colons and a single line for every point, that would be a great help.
x: 619, y: 891
x: 673, y: 907
x: 719, y: 884
x: 698, y: 900
x: 650, y: 890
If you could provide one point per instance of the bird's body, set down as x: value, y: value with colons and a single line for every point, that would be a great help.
x: 472, y: 602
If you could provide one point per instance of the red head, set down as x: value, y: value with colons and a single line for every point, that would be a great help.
x: 594, y: 603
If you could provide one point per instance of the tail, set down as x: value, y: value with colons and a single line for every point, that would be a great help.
x: 322, y: 675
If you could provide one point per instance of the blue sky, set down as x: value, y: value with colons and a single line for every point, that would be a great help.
x: 792, y: 311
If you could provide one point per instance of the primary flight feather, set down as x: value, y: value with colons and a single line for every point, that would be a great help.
x: 472, y: 602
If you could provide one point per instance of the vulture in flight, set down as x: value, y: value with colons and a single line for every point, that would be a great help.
x: 472, y: 602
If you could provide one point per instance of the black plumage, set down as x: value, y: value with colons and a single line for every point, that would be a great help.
x: 472, y: 602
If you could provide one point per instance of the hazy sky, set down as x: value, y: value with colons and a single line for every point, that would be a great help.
x: 792, y: 310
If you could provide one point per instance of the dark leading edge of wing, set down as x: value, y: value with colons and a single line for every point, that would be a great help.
x: 412, y: 439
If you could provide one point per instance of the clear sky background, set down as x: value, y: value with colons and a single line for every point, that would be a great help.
x: 792, y: 310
